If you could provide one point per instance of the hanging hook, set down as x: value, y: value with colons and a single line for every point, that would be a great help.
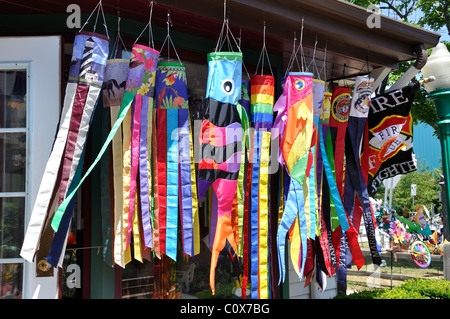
x: 324, y: 65
x: 224, y: 10
x: 367, y: 64
x: 98, y: 8
x: 302, y: 57
x: 168, y: 39
x: 264, y: 53
x: 168, y: 34
x: 118, y: 40
x: 225, y: 33
x: 150, y: 31
x: 118, y: 21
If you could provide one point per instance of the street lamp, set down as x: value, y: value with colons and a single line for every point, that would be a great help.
x: 438, y: 66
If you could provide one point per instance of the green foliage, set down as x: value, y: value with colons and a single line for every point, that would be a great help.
x: 427, y: 189
x: 437, y: 14
x: 410, y: 289
x: 435, y: 289
x: 422, y: 109
x: 436, y: 17
x: 223, y: 291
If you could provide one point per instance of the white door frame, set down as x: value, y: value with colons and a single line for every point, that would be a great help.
x: 42, y: 55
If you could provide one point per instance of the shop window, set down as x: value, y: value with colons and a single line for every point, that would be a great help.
x: 13, y: 176
x: 187, y: 277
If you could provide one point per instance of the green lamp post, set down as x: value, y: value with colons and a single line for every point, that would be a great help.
x: 438, y: 66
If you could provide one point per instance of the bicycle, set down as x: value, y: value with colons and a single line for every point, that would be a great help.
x: 418, y: 248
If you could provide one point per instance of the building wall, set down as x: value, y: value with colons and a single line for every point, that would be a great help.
x: 297, y: 289
x: 427, y: 146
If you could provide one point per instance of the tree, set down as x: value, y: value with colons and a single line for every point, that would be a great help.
x: 436, y: 15
x: 428, y: 189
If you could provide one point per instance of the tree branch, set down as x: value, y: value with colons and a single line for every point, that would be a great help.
x: 395, y: 9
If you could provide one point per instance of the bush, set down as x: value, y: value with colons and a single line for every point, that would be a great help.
x: 410, y: 289
x: 434, y: 288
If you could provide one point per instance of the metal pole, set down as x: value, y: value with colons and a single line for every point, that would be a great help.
x: 441, y: 99
x: 391, y: 182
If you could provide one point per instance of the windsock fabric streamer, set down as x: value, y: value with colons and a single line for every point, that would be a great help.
x: 296, y: 147
x: 174, y: 185
x: 140, y: 83
x: 221, y: 145
x: 389, y: 148
x: 139, y: 86
x: 116, y: 73
x: 262, y: 100
x: 86, y: 71
x: 355, y: 190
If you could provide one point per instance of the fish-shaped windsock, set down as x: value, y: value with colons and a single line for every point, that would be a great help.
x: 220, y: 147
x: 296, y: 152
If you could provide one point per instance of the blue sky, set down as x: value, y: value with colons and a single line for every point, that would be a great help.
x: 416, y: 16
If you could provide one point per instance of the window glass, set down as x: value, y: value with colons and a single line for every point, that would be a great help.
x: 11, y: 281
x: 13, y: 84
x: 12, y: 212
x: 12, y: 162
x: 188, y: 277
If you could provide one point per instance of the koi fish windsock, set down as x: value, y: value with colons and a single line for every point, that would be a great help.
x: 220, y: 147
x: 296, y: 152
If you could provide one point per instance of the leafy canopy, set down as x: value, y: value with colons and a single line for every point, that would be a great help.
x: 432, y: 15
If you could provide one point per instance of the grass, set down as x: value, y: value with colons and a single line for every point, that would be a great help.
x: 410, y: 289
x: 360, y: 281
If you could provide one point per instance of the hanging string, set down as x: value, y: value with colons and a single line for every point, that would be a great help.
x: 263, y: 53
x: 168, y: 39
x: 150, y: 31
x: 223, y: 25
x: 343, y: 74
x: 240, y: 42
x: 74, y: 250
x: 119, y: 39
x: 96, y: 19
x: 324, y: 65
x: 300, y: 48
x: 313, y: 61
x: 227, y: 31
x: 292, y: 58
x: 98, y: 8
x: 302, y: 53
x: 366, y: 64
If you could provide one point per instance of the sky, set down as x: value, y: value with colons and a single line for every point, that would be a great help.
x: 416, y: 16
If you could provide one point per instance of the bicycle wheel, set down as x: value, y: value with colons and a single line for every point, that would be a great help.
x: 420, y: 254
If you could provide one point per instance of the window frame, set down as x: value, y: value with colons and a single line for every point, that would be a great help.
x: 26, y: 66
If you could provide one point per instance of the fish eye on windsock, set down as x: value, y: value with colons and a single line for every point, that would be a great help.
x: 228, y: 86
